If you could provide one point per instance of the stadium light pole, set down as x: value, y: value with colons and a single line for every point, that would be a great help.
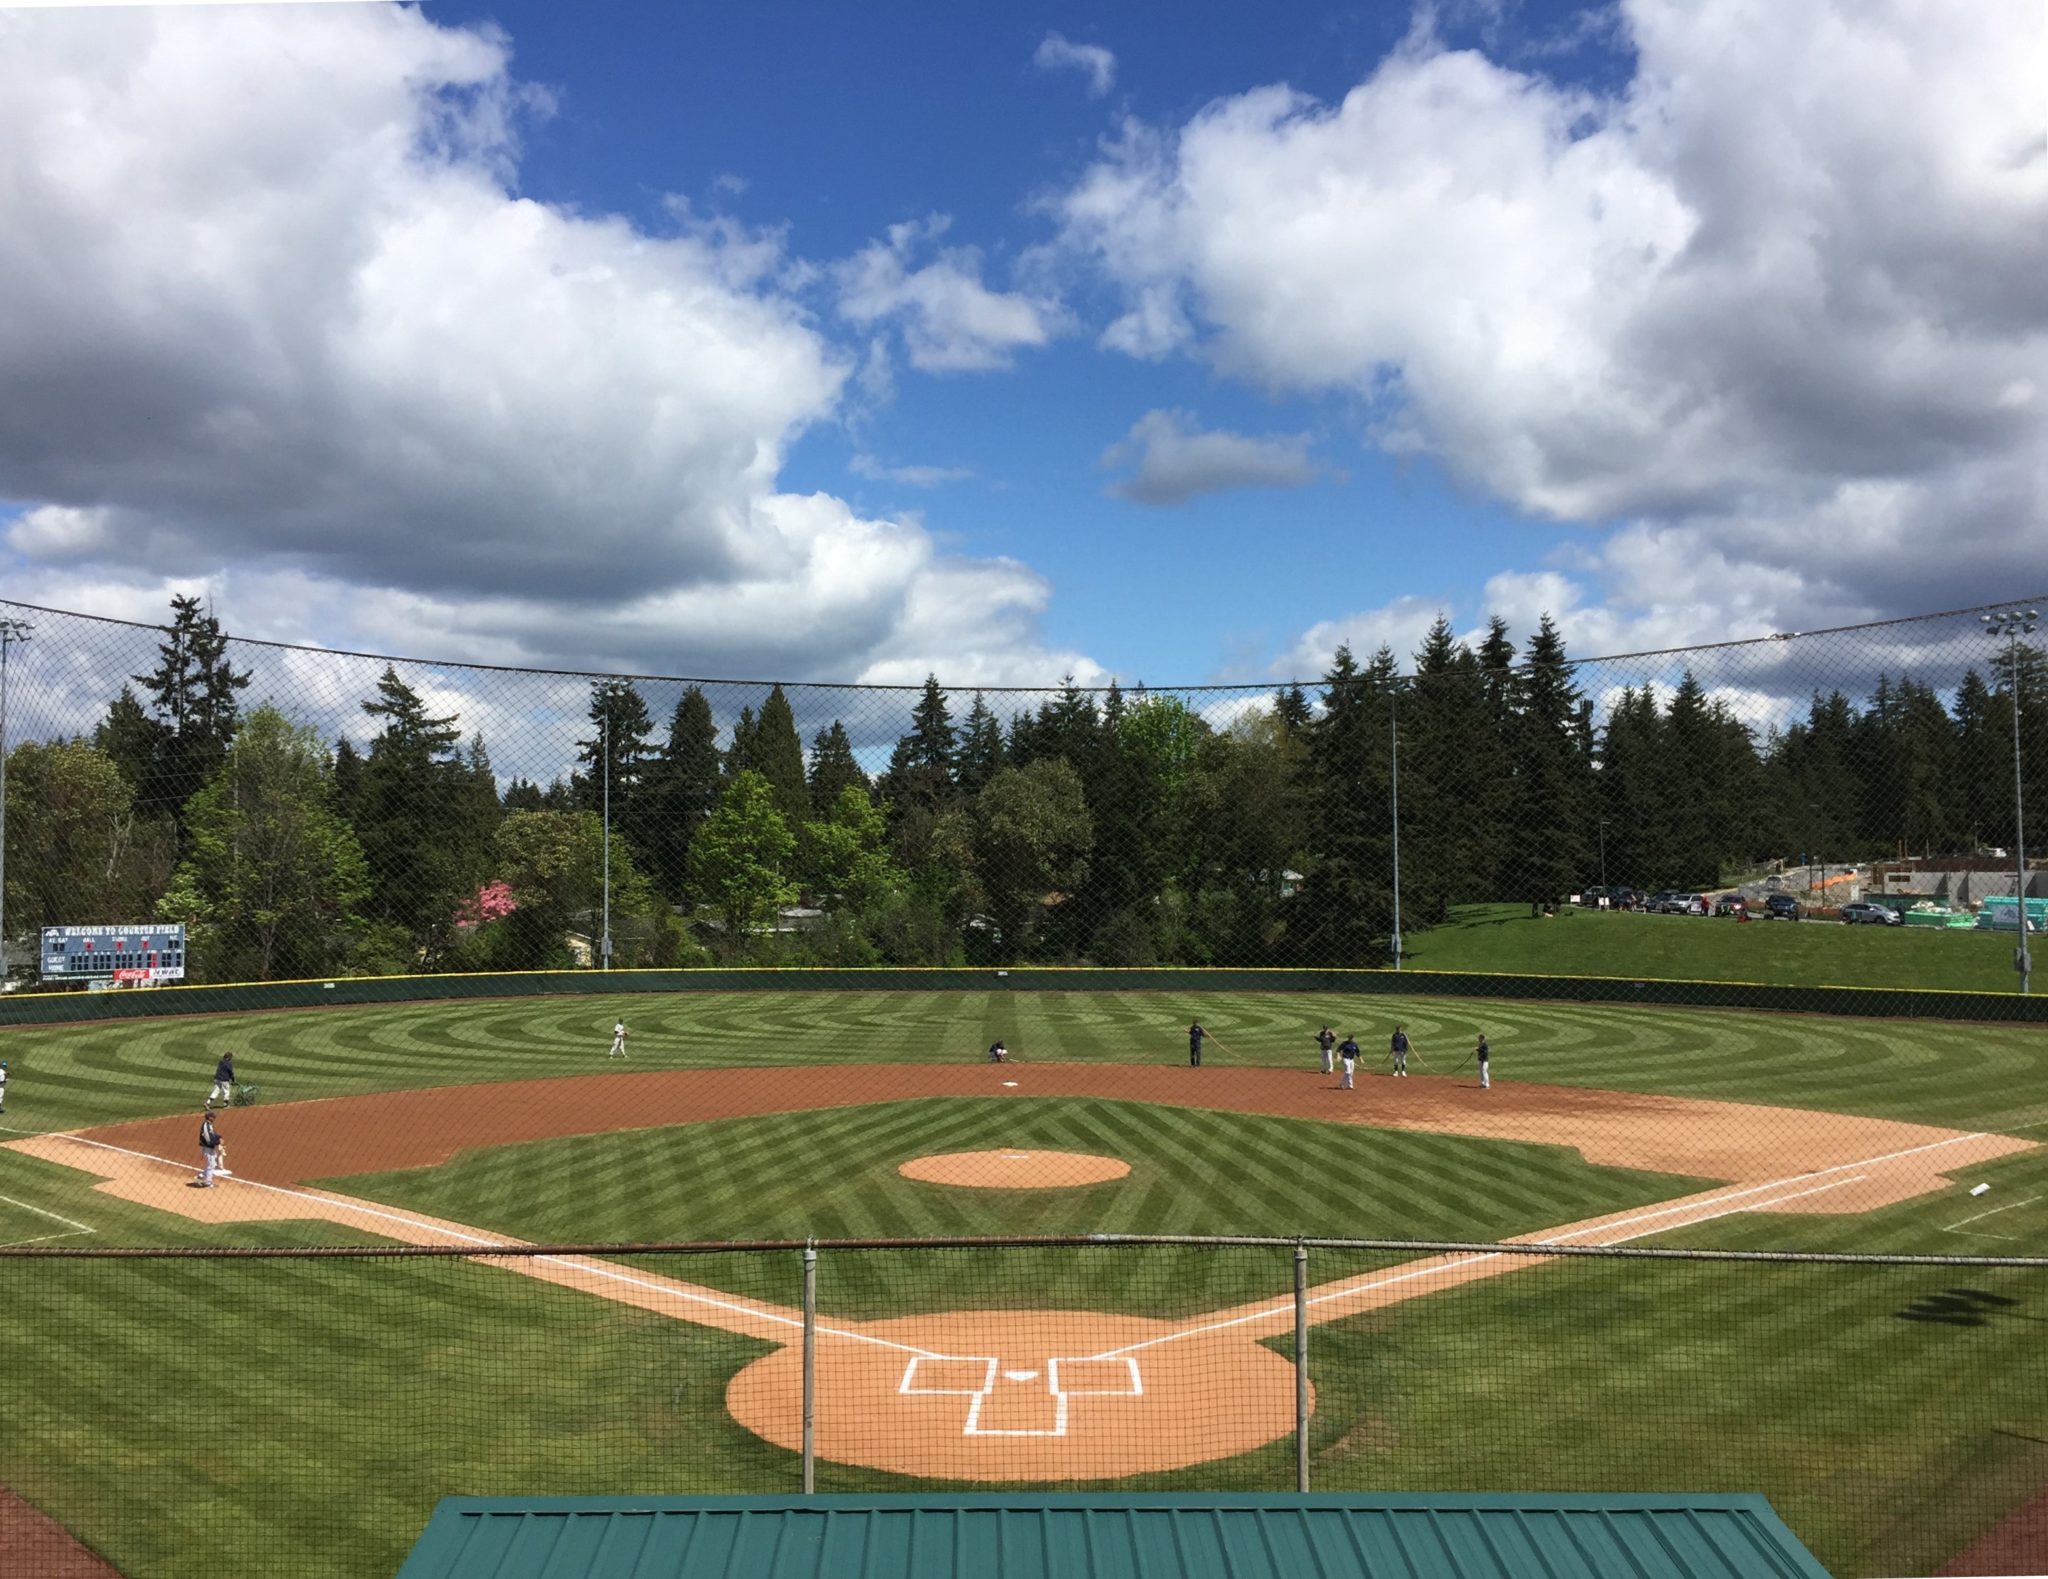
x: 604, y: 942
x: 1604, y: 821
x: 12, y: 632
x: 1394, y: 730
x: 2012, y: 624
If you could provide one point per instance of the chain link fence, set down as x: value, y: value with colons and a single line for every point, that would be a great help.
x: 289, y: 1411
x: 311, y: 814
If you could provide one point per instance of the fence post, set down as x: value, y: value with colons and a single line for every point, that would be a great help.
x: 1301, y: 1367
x: 810, y: 1368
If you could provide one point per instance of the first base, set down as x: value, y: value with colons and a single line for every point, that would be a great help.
x: 1979, y: 1189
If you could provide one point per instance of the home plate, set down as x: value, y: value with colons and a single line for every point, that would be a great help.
x: 1020, y: 1376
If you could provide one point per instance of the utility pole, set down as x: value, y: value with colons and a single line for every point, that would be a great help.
x: 1604, y: 821
x: 2012, y: 624
x: 12, y: 633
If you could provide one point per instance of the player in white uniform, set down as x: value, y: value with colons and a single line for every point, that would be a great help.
x: 618, y: 1040
x: 3, y: 1088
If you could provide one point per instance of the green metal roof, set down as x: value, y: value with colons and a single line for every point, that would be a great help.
x: 1131, y: 1536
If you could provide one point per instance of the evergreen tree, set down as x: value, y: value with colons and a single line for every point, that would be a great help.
x: 414, y: 804
x: 918, y: 784
x: 1343, y: 912
x: 1691, y: 805
x: 744, y: 754
x: 1441, y: 717
x: 833, y: 768
x: 192, y: 696
x: 779, y: 758
x: 931, y: 734
x: 129, y: 737
x: 1495, y: 763
x: 1632, y: 789
x: 616, y: 758
x: 1983, y: 742
x: 682, y: 787
x: 1552, y: 753
x: 980, y: 756
x: 522, y: 795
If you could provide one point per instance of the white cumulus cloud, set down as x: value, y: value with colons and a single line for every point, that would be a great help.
x: 950, y: 321
x: 1773, y: 310
x: 278, y: 324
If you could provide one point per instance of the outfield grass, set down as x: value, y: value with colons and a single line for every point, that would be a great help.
x: 348, y: 1395
x: 1970, y: 1075
x: 1507, y: 940
x: 1888, y: 1442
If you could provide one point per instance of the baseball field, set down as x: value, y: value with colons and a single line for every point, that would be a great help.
x: 255, y: 1417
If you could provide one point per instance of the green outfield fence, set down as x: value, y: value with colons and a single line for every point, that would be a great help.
x: 314, y: 815
x: 1912, y: 1003
x: 265, y: 1411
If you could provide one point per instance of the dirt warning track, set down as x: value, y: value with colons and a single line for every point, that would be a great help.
x: 1038, y: 1394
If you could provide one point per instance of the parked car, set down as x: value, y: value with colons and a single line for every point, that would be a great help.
x: 1781, y: 907
x: 1730, y: 905
x: 1863, y: 913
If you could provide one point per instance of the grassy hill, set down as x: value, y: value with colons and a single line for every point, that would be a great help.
x: 1504, y: 938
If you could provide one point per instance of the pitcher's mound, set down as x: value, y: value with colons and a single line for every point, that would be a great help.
x: 1014, y: 1170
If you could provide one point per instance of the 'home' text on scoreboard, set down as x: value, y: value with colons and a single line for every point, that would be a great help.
x: 134, y: 955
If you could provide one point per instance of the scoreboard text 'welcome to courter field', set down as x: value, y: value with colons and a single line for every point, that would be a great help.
x: 136, y: 955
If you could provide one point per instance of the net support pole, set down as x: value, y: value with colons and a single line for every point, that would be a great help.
x: 810, y: 1369
x: 1301, y: 1367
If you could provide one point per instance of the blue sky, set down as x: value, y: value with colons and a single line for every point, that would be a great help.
x: 1174, y: 344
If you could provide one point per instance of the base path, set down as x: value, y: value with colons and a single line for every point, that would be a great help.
x: 1023, y: 1395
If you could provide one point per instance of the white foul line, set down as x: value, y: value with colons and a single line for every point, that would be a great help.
x: 612, y: 1274
x: 1961, y: 1227
x: 1346, y: 1290
x: 1439, y: 1268
x: 76, y: 1228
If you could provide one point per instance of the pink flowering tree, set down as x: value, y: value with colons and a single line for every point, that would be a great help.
x: 492, y: 902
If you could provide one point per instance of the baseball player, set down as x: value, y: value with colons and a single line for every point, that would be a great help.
x: 1348, y: 1051
x: 1399, y: 1048
x: 223, y: 1080
x: 1326, y: 1039
x: 1195, y: 1035
x: 998, y: 1054
x: 1485, y: 1057
x: 3, y: 1088
x: 209, y: 1148
x: 618, y: 1040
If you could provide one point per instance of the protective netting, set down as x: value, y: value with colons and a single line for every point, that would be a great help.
x: 225, y: 1415
x: 608, y: 1177
x: 310, y: 814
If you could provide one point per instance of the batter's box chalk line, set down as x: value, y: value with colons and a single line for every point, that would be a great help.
x: 975, y: 1376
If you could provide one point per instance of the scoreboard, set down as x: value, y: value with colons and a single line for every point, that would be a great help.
x: 137, y: 955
